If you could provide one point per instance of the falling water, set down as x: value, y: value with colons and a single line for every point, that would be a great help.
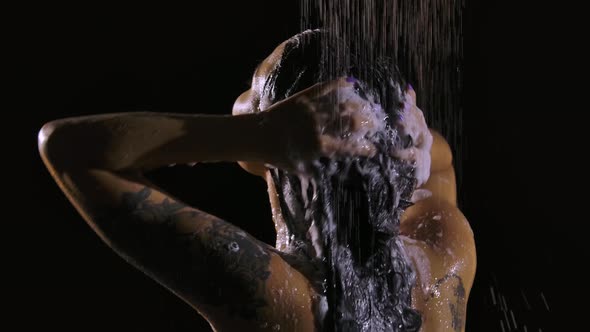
x: 517, y: 310
x: 343, y: 214
x: 424, y: 38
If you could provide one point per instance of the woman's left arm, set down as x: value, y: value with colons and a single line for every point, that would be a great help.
x: 440, y: 232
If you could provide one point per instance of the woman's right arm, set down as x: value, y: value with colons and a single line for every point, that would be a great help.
x: 97, y: 159
x: 143, y: 141
x: 98, y: 162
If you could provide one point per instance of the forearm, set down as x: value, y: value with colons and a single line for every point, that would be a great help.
x: 140, y: 141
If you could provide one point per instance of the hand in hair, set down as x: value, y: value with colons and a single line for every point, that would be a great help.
x: 326, y: 120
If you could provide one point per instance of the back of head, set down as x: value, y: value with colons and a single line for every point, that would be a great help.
x: 346, y: 214
x: 315, y: 56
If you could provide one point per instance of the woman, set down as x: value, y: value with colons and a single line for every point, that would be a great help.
x: 322, y: 143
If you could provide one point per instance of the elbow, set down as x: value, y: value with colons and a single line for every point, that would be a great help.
x: 74, y: 144
x: 44, y: 138
x: 57, y: 145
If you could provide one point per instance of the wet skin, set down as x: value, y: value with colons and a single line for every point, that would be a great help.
x: 437, y: 236
x: 235, y: 281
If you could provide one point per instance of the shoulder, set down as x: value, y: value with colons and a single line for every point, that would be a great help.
x: 441, y: 226
x: 440, y: 244
x: 436, y: 220
x: 441, y: 180
x: 441, y: 155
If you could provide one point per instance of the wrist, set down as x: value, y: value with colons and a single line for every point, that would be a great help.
x: 270, y: 138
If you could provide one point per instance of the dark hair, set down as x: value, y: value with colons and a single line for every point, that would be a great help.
x: 315, y: 56
x: 355, y: 203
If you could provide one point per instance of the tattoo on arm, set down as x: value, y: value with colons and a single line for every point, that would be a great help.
x: 457, y: 307
x: 216, y: 265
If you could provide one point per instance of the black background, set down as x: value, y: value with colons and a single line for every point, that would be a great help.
x: 518, y: 177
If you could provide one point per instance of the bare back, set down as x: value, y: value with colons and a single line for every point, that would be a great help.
x: 233, y: 280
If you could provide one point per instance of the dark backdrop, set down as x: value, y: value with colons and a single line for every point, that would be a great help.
x: 517, y: 181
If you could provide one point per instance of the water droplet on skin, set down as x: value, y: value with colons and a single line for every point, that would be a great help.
x: 436, y: 293
x: 443, y: 35
x: 233, y: 247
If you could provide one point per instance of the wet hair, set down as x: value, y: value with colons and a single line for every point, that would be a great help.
x: 354, y: 202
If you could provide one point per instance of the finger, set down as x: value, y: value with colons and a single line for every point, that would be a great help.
x: 331, y: 108
x: 329, y: 145
x: 331, y: 104
x: 362, y: 147
x: 344, y: 93
x: 332, y: 146
x: 404, y: 154
x: 350, y: 108
x: 340, y: 126
x: 324, y: 88
x: 360, y: 115
x: 364, y: 121
x: 411, y: 95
